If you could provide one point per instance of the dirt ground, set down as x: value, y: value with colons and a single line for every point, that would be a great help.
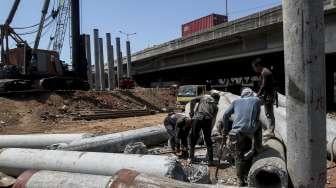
x: 54, y: 113
x: 331, y: 175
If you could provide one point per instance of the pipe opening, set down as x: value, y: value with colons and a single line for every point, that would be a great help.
x: 265, y: 179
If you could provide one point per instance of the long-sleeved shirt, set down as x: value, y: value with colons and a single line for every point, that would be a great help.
x: 206, y: 109
x: 246, y: 111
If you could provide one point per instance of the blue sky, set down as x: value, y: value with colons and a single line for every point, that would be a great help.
x: 154, y: 21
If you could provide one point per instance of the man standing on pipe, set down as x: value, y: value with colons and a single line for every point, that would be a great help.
x: 202, y: 118
x: 266, y: 93
x: 245, y: 133
x: 178, y: 128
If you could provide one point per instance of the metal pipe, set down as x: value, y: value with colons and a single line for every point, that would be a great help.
x: 129, y: 59
x: 14, y: 161
x: 303, y: 23
x: 123, y: 178
x: 38, y: 141
x: 96, y: 56
x: 89, y: 60
x: 119, y: 61
x: 116, y: 142
x: 101, y: 65
x: 110, y: 58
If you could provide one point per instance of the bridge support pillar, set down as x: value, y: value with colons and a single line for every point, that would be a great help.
x: 110, y: 60
x: 119, y: 61
x: 96, y: 56
x: 88, y: 59
x: 101, y: 65
x: 129, y: 61
x: 306, y: 92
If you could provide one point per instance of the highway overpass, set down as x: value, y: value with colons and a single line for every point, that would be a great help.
x: 226, y: 51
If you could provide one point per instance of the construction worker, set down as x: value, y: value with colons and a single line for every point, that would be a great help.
x: 266, y: 93
x: 178, y: 126
x: 245, y: 132
x: 202, y: 117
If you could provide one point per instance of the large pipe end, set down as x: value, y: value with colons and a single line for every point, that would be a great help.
x: 272, y: 175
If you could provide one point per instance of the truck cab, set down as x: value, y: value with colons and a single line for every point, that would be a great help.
x: 186, y: 93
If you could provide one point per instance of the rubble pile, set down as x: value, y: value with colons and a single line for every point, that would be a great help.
x: 159, y: 97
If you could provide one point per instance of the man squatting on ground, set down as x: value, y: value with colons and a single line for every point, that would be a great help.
x: 178, y: 127
x: 266, y: 93
x: 202, y: 118
x: 245, y: 135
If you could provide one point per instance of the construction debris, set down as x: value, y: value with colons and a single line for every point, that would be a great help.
x: 136, y: 148
x: 116, y: 142
x: 198, y: 173
x: 38, y: 141
x: 14, y: 161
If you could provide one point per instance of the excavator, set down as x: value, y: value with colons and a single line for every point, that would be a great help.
x: 26, y: 68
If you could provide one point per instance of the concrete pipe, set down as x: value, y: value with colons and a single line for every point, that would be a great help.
x: 223, y: 103
x: 116, y: 143
x: 14, y: 161
x: 269, y: 167
x: 331, y: 128
x: 38, y: 141
x: 123, y: 178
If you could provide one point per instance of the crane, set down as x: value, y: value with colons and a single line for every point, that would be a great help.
x: 6, y: 31
x: 61, y: 25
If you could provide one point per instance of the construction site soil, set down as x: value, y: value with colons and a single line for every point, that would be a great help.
x: 54, y: 112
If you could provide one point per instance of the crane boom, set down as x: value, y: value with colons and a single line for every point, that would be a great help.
x: 61, y: 25
x: 43, y: 16
x: 12, y: 12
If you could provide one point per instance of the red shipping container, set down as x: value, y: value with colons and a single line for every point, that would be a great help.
x: 202, y: 24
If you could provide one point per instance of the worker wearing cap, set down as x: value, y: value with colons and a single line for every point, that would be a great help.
x: 202, y: 117
x: 245, y: 132
x: 178, y: 127
x: 266, y: 93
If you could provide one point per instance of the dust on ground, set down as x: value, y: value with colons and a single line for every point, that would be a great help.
x: 53, y: 112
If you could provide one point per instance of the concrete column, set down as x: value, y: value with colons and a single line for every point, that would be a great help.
x: 96, y: 56
x: 89, y: 60
x: 129, y: 61
x: 119, y: 60
x: 306, y: 92
x: 101, y: 65
x: 110, y: 58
